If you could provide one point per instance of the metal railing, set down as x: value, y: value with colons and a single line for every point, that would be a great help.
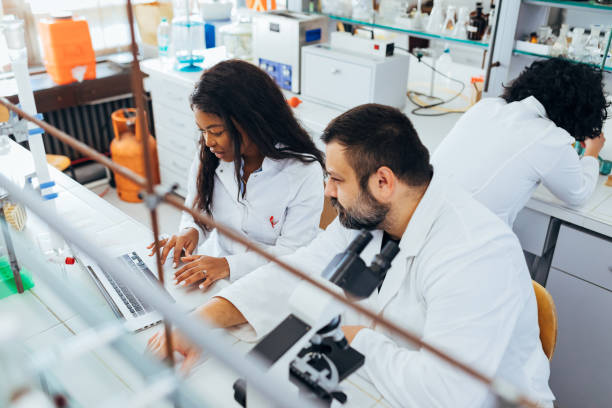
x: 195, y: 330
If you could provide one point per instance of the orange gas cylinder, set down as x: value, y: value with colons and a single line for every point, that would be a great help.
x: 66, y: 45
x: 126, y: 150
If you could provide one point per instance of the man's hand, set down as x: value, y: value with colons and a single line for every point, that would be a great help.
x: 351, y: 331
x: 157, y: 346
x: 592, y: 146
x: 201, y: 267
x: 187, y: 241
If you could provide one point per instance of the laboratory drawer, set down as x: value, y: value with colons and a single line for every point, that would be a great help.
x: 580, y: 367
x: 334, y: 81
x: 584, y: 255
x: 175, y: 162
x: 531, y: 228
x: 169, y: 177
x: 171, y: 95
x: 176, y: 141
x: 177, y: 121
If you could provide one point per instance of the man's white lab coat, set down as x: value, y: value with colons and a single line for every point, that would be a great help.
x: 280, y: 211
x: 500, y: 152
x: 459, y: 282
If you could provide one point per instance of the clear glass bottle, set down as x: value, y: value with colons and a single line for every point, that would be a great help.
x: 560, y: 47
x: 449, y: 22
x: 237, y: 37
x: 577, y: 50
x: 463, y: 19
x: 436, y: 17
x: 593, y: 48
x: 490, y: 25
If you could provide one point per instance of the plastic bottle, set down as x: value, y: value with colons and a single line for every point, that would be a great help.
x: 444, y: 65
x: 163, y: 42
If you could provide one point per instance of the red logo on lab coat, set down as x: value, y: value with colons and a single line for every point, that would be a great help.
x: 272, y: 222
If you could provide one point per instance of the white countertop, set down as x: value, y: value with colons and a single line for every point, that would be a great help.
x: 94, y: 377
x: 595, y: 215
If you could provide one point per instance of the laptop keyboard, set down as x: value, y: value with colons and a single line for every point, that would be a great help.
x: 136, y: 306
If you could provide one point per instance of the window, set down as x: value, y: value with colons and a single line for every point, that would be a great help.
x: 107, y: 20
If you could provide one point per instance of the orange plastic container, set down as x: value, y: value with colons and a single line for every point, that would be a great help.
x: 126, y: 150
x: 66, y: 45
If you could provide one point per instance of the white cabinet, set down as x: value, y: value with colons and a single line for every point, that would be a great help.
x: 581, y: 367
x: 175, y: 129
x: 580, y: 282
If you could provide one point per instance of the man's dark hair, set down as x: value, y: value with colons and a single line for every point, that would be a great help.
x: 571, y: 93
x: 378, y: 135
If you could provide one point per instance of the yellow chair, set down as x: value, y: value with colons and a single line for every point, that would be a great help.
x: 547, y: 319
x: 61, y: 163
x: 328, y: 214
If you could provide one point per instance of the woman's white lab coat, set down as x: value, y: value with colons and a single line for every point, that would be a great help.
x: 459, y: 282
x: 280, y: 211
x: 501, y: 152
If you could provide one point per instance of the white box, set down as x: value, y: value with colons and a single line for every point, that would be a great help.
x: 343, y: 79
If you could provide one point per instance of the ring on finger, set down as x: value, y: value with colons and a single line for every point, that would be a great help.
x: 204, y: 274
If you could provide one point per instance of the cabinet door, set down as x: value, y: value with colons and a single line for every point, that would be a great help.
x: 335, y: 81
x: 581, y: 368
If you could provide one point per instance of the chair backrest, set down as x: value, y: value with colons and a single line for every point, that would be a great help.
x: 547, y: 319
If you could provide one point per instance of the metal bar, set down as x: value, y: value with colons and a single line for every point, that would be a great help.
x: 198, y: 331
x: 75, y: 144
x: 603, y: 61
x: 10, y: 250
x: 236, y: 237
x: 492, y: 39
x: 143, y: 133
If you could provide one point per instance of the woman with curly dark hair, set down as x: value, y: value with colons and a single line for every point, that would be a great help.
x: 257, y: 171
x: 503, y: 148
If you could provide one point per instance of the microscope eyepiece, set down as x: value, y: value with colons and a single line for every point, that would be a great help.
x: 360, y: 242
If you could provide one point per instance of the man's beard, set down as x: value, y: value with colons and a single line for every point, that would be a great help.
x: 367, y: 214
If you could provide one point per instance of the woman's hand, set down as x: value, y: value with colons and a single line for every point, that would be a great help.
x: 592, y: 146
x: 187, y: 241
x: 157, y: 346
x: 201, y: 267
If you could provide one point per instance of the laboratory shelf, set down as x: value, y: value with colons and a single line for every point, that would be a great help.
x: 532, y: 54
x: 385, y: 25
x: 581, y: 5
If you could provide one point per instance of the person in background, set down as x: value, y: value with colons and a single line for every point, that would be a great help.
x: 256, y: 171
x: 459, y: 280
x: 503, y: 148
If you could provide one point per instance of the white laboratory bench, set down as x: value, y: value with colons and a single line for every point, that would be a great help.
x: 48, y: 321
x: 569, y: 249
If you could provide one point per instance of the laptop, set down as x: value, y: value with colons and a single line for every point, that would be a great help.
x: 126, y: 305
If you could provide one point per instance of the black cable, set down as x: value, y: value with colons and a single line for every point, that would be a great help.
x: 432, y: 105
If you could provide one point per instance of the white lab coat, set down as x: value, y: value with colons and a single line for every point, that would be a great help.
x: 459, y: 282
x: 280, y: 211
x: 501, y: 152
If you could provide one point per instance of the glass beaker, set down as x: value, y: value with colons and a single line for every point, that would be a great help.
x: 187, y: 37
x: 592, y: 46
x: 237, y: 38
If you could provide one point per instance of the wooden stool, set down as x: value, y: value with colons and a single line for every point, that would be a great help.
x: 61, y: 163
